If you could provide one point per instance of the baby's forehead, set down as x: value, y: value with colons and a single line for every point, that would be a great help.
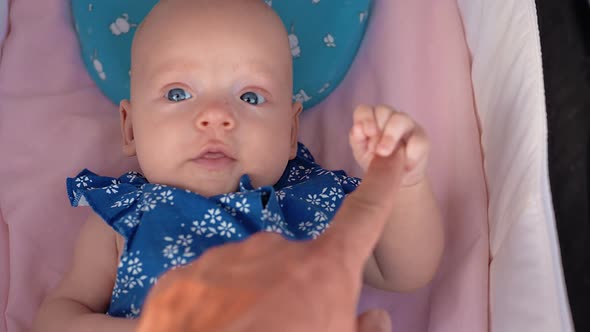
x: 228, y: 18
x: 243, y: 27
x: 204, y: 12
x: 200, y: 43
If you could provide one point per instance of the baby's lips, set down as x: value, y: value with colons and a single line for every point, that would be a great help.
x: 215, y: 149
x: 214, y: 155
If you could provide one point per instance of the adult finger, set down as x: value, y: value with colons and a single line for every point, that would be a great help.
x: 417, y: 147
x: 398, y: 127
x: 358, y: 224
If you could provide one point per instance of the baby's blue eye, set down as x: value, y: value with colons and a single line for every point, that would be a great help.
x: 252, y: 98
x: 178, y: 94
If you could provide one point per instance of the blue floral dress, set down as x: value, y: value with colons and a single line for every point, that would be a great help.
x: 165, y: 227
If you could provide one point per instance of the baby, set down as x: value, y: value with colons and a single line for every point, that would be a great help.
x: 213, y: 125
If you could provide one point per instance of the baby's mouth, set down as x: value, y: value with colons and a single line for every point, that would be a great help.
x: 214, y: 160
x: 214, y: 155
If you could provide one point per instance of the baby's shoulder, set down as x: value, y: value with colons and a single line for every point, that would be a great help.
x: 96, y: 235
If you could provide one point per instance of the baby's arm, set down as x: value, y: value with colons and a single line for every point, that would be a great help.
x: 80, y: 300
x: 408, y: 253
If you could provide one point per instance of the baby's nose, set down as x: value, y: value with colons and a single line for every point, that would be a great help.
x: 215, y: 119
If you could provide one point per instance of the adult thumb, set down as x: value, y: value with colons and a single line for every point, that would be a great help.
x: 358, y: 224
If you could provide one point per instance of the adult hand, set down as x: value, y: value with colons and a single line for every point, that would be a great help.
x: 267, y: 284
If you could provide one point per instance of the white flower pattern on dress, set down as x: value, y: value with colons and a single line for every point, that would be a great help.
x: 305, y: 225
x: 213, y: 216
x: 243, y: 206
x: 184, y: 240
x: 313, y: 199
x: 170, y: 250
x: 134, y: 266
x: 201, y: 228
x: 299, y: 174
x: 179, y: 250
x: 280, y: 195
x: 83, y: 181
x: 336, y: 194
x: 129, y: 274
x: 320, y: 217
x: 149, y: 203
x: 276, y: 223
x: 320, y: 171
x: 227, y: 198
x: 116, y: 292
x: 166, y: 197
x: 113, y: 188
x: 330, y: 206
x: 133, y: 312
x: 274, y: 228
x: 226, y: 229
x: 231, y: 210
x: 131, y: 220
x: 125, y: 200
x: 132, y: 176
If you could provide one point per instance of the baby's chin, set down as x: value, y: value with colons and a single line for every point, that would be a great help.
x: 211, y: 192
x: 213, y: 189
x: 207, y: 188
x: 212, y: 185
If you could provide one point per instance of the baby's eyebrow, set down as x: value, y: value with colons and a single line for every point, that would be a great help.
x: 172, y: 67
x: 262, y: 71
x: 263, y: 74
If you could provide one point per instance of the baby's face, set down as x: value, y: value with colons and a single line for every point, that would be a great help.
x: 211, y: 96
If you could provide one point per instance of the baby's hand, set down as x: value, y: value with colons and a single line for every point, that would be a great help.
x: 380, y: 130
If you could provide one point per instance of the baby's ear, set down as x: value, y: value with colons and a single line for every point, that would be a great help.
x: 296, y: 110
x: 127, y: 128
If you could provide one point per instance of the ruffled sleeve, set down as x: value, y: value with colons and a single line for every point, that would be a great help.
x: 115, y: 200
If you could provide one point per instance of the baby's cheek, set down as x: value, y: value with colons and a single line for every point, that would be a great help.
x: 150, y: 168
x: 269, y: 167
x: 269, y: 148
x: 266, y: 174
x: 153, y: 162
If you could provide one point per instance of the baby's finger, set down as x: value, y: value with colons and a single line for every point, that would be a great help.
x: 357, y: 133
x: 365, y: 116
x: 382, y: 115
x: 399, y: 127
x: 358, y: 141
